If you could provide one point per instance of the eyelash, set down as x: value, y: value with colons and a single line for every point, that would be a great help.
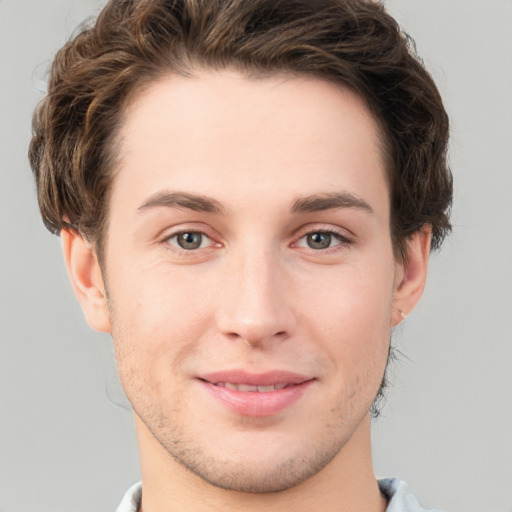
x: 342, y: 240
x: 202, y: 234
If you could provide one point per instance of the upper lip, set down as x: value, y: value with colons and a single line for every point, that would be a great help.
x: 267, y: 378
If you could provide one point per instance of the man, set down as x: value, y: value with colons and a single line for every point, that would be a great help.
x: 247, y: 195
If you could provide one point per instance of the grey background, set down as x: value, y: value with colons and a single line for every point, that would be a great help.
x: 447, y: 426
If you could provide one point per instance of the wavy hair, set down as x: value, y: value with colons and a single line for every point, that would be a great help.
x: 354, y: 43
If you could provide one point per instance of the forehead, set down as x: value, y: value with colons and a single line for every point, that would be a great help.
x: 221, y: 130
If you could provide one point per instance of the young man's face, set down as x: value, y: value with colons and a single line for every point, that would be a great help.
x: 251, y: 279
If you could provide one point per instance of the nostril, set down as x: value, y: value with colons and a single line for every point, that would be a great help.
x: 254, y: 342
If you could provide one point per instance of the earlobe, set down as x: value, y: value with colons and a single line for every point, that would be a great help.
x: 86, y: 279
x: 411, y: 275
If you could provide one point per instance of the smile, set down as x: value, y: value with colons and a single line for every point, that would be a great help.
x: 256, y: 395
x: 249, y: 388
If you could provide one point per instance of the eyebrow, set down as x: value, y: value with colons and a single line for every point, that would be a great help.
x: 194, y: 202
x: 308, y: 204
x: 330, y: 201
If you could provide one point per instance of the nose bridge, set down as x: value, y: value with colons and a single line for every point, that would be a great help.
x: 256, y: 307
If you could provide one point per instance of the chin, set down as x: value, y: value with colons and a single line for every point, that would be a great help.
x: 257, y: 475
x: 238, y: 478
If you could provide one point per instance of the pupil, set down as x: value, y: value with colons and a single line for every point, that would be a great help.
x: 319, y: 240
x: 189, y: 240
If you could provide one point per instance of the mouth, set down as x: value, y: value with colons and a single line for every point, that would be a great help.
x: 256, y: 395
x: 249, y: 388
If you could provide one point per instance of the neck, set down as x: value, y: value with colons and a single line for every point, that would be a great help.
x: 346, y: 484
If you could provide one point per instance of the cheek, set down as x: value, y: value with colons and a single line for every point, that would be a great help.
x: 156, y: 321
x: 351, y: 315
x: 356, y: 298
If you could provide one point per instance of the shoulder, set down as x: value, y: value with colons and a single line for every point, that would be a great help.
x: 400, y: 496
x: 131, y: 499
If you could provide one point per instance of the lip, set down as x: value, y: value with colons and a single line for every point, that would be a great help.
x: 256, y: 403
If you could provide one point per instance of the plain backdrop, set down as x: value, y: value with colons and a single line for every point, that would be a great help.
x: 66, y: 435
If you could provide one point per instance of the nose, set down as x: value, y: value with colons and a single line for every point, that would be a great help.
x: 254, y: 303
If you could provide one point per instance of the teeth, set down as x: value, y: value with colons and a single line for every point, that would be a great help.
x: 250, y: 388
x: 247, y: 387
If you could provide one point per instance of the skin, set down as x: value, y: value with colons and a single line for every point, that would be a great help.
x: 259, y: 292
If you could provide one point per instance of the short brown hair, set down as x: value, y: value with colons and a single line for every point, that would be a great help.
x: 354, y: 43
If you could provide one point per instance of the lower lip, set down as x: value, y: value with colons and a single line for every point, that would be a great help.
x: 257, y: 403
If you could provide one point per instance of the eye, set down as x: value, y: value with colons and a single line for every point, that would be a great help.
x: 190, y: 240
x: 320, y: 240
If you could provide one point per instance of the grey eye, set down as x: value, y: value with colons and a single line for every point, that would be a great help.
x: 189, y: 240
x: 319, y: 240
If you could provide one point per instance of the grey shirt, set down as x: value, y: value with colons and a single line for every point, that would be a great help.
x: 398, y: 493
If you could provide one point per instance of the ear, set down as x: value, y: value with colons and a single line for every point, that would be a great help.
x: 86, y: 279
x: 411, y: 274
